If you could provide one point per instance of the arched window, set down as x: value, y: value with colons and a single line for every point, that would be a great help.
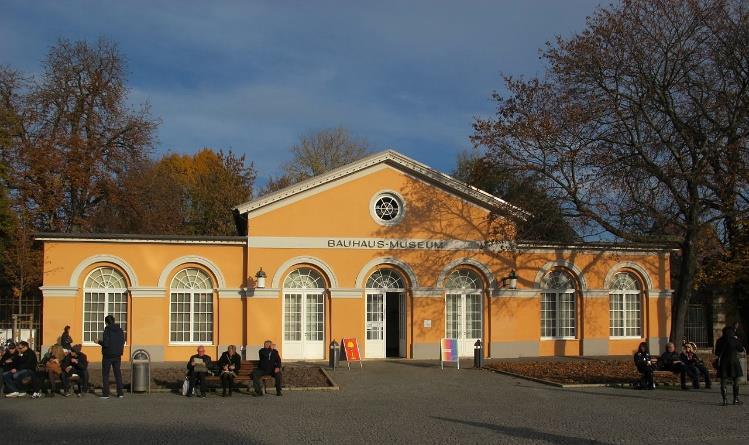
x: 558, y: 308
x: 104, y: 293
x: 191, y: 307
x: 385, y: 295
x: 624, y: 306
x: 304, y: 278
x: 463, y: 279
x: 385, y: 279
x: 304, y: 314
x: 463, y: 309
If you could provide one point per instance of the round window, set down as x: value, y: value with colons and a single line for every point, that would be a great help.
x: 387, y: 208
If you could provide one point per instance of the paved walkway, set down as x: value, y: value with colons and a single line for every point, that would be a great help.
x: 388, y: 402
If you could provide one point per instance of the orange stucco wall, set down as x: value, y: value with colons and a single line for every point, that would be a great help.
x: 511, y: 319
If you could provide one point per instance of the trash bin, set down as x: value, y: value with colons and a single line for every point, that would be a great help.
x: 140, y: 378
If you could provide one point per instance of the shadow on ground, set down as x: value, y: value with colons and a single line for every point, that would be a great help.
x: 523, y: 433
x: 101, y: 433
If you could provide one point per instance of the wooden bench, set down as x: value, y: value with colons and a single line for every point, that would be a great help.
x: 244, y: 376
x: 662, y: 376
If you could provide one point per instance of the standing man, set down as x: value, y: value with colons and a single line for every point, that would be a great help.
x: 112, y: 344
x: 270, y: 364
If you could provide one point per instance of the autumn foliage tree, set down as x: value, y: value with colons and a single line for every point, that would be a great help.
x: 180, y: 195
x: 639, y: 126
x: 74, y: 134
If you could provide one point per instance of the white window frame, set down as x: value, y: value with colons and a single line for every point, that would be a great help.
x: 107, y: 291
x: 557, y: 295
x: 304, y: 293
x: 392, y: 195
x: 464, y: 276
x: 633, y: 294
x: 192, y: 292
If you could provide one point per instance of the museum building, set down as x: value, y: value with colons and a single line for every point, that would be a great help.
x: 386, y: 250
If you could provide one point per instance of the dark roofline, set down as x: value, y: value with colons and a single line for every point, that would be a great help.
x: 52, y: 236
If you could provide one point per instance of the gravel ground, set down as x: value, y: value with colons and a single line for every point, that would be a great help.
x: 389, y: 402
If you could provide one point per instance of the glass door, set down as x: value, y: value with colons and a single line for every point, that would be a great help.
x: 374, y: 344
x: 304, y: 322
x: 463, y: 320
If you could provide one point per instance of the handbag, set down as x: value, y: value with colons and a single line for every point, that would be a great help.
x: 185, y: 386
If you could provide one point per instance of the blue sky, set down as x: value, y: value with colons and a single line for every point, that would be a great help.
x: 253, y: 76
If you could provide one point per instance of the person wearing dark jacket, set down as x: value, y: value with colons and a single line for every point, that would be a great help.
x: 671, y: 361
x: 229, y: 364
x: 6, y: 363
x: 645, y: 366
x: 77, y: 366
x: 24, y: 365
x: 727, y: 350
x: 112, y: 345
x: 690, y: 358
x: 66, y: 341
x: 270, y: 364
x: 197, y: 371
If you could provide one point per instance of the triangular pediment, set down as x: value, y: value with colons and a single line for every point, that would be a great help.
x: 392, y: 159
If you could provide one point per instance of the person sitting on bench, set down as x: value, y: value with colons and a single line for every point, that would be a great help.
x: 197, y: 370
x: 691, y: 359
x: 229, y: 365
x: 77, y: 365
x: 24, y: 366
x: 645, y: 366
x: 53, y: 362
x: 670, y: 361
x: 270, y: 364
x: 7, y: 360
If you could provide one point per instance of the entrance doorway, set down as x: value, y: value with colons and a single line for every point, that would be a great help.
x: 386, y: 325
x: 463, y: 309
x: 304, y: 315
x: 392, y: 324
x: 385, y: 334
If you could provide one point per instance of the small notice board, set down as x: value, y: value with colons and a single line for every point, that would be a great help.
x: 449, y: 352
x: 351, y: 348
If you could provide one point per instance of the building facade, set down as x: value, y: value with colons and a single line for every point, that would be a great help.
x: 386, y: 250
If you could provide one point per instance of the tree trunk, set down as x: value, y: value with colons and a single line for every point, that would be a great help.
x: 684, y: 286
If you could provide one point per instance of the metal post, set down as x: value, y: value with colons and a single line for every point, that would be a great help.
x: 14, y: 334
x: 478, y: 354
x: 333, y: 355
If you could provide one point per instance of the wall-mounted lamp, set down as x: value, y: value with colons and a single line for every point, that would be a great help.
x: 510, y: 281
x: 260, y: 279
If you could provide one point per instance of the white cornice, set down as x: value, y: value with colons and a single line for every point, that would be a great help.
x: 661, y: 293
x: 346, y: 293
x: 596, y: 293
x: 147, y: 292
x: 515, y: 293
x: 263, y: 293
x: 59, y: 291
x: 231, y: 293
x: 424, y: 292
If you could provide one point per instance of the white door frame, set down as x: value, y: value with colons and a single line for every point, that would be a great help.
x: 302, y: 349
x: 378, y: 348
x: 465, y: 344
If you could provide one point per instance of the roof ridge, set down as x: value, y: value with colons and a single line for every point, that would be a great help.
x: 373, y: 159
